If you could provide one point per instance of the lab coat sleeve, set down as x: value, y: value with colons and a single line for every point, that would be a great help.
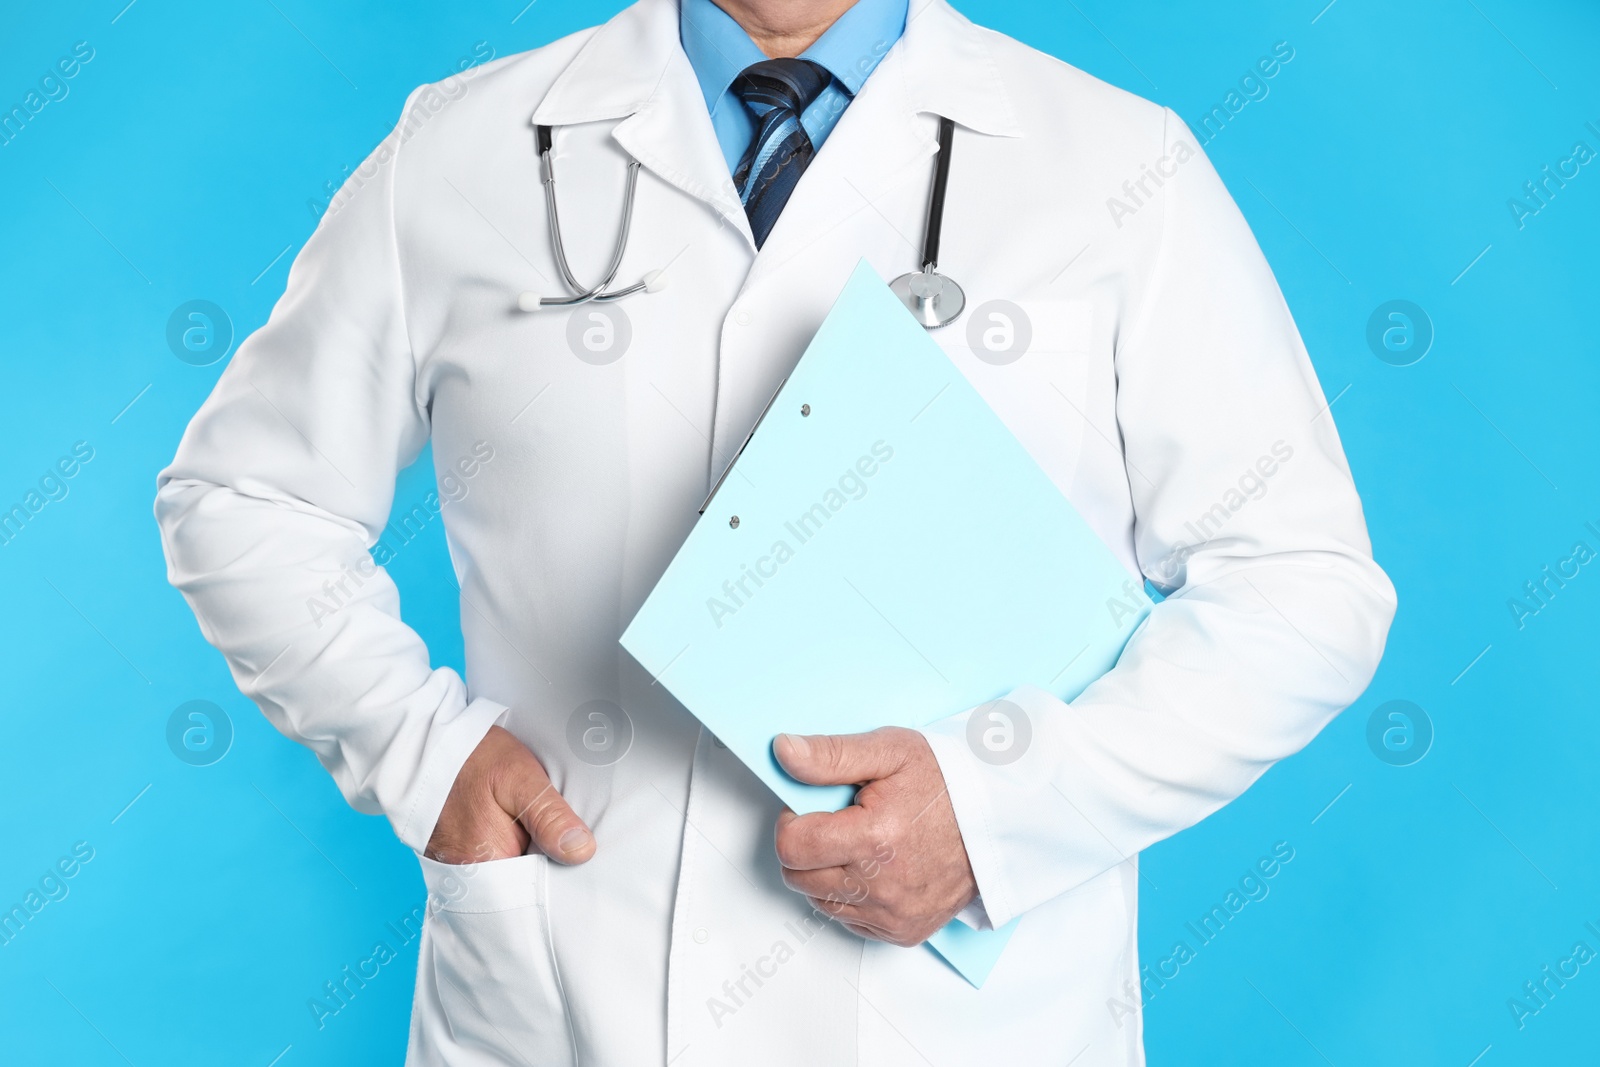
x: 283, y: 482
x: 1246, y: 512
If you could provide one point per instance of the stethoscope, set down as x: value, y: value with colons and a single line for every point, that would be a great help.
x: 652, y: 282
x: 933, y: 299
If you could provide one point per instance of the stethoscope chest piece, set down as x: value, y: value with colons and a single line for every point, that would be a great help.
x: 932, y: 299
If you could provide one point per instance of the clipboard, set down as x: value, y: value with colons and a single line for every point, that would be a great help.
x: 881, y: 551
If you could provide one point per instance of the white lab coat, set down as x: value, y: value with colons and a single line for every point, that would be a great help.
x: 1165, y: 390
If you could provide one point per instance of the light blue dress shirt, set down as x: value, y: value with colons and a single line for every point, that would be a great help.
x: 719, y: 50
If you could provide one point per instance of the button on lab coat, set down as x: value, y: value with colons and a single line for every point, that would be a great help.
x: 1163, y: 387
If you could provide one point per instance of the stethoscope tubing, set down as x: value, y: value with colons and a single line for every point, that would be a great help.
x: 934, y: 300
x: 545, y: 140
x: 941, y: 181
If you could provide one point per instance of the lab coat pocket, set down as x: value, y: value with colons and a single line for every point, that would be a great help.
x: 494, y: 964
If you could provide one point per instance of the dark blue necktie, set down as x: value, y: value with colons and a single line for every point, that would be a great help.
x: 777, y: 92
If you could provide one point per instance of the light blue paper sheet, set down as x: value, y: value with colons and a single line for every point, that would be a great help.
x: 898, y: 558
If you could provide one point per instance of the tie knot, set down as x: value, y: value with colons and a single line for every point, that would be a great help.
x: 789, y: 84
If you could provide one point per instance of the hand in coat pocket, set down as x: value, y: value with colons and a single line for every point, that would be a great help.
x: 502, y: 801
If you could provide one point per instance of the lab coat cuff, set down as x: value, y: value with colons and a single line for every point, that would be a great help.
x: 974, y: 915
x: 450, y: 741
x: 999, y: 760
x: 958, y: 743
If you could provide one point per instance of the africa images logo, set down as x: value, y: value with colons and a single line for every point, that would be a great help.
x: 851, y: 485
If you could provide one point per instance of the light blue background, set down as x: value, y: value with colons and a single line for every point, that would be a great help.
x: 180, y: 166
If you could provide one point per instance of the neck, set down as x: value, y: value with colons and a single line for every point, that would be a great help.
x: 782, y: 29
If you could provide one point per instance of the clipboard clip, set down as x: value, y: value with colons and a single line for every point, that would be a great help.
x: 729, y: 468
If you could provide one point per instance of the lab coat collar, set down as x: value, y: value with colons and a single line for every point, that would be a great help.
x: 634, y: 68
x: 636, y: 59
x: 950, y: 70
x: 618, y: 70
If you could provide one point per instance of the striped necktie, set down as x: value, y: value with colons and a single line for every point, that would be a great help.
x: 777, y: 92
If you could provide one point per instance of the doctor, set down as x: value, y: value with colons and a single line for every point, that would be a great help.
x: 608, y: 886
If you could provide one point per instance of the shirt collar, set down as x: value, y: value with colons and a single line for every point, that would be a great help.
x: 634, y: 68
x: 854, y: 45
x: 719, y: 49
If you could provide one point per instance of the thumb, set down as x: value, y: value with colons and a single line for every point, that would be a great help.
x: 841, y: 759
x: 528, y: 796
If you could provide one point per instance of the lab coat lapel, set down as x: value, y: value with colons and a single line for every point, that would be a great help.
x: 941, y: 66
x: 634, y: 69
